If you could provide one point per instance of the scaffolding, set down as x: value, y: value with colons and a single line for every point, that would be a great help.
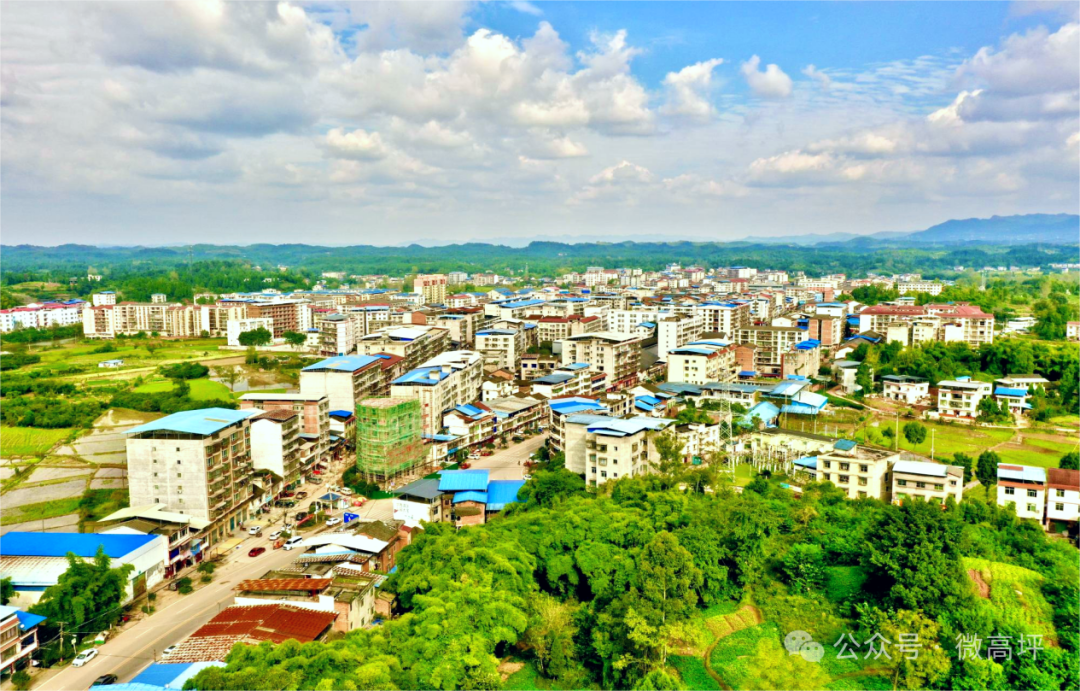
x: 389, y: 444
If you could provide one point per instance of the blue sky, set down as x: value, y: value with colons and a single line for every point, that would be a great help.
x: 381, y: 123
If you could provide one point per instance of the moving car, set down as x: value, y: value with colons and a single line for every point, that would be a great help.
x: 275, y: 535
x: 256, y: 551
x: 168, y: 651
x: 84, y: 657
x: 474, y: 457
x: 255, y: 530
x: 105, y: 680
x: 333, y: 521
x: 293, y: 541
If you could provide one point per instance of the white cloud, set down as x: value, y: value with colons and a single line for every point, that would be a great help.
x: 357, y: 144
x: 526, y: 7
x: 688, y: 90
x: 772, y: 83
x: 560, y: 147
x: 823, y: 80
x: 1035, y: 62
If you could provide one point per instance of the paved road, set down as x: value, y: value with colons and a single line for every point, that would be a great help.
x: 509, y: 464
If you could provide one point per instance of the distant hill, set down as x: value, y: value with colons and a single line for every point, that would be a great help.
x: 1056, y: 229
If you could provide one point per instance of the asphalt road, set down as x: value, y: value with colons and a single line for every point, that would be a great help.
x: 141, y: 643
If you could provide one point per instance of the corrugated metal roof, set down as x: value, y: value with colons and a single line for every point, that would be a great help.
x: 343, y: 363
x: 471, y: 495
x: 502, y: 492
x: 622, y: 428
x: 302, y: 584
x: 1004, y: 391
x: 462, y: 480
x: 1021, y: 473
x: 425, y: 489
x: 116, y: 546
x: 205, y: 421
x: 845, y: 444
x: 921, y: 468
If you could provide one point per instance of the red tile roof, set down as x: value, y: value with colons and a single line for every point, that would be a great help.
x: 303, y: 584
x: 1059, y: 478
x: 248, y: 623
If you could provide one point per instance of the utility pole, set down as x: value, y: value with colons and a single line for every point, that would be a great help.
x: 896, y: 433
x: 932, y: 443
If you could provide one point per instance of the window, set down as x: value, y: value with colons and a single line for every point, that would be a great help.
x: 920, y: 485
x: 1058, y: 506
x: 828, y: 464
x: 939, y: 487
x: 1031, y: 493
x: 863, y: 468
x: 179, y: 475
x: 1010, y: 491
x: 178, y: 460
x: 1060, y: 492
x: 862, y: 482
x: 901, y: 483
x: 862, y: 495
x: 844, y: 478
x: 603, y: 473
x: 1031, y: 507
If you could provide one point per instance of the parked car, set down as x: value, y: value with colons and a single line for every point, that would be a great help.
x: 474, y: 457
x: 256, y: 551
x: 526, y: 476
x: 346, y: 491
x: 255, y: 530
x: 168, y: 651
x: 288, y: 494
x: 105, y: 680
x: 332, y: 521
x: 285, y: 503
x: 275, y: 535
x: 84, y: 657
x: 301, y: 495
x: 301, y: 515
x: 293, y: 541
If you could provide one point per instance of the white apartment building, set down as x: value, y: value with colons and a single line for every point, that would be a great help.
x: 314, y: 413
x: 931, y: 287
x: 105, y: 297
x: 1062, y: 495
x: 702, y: 362
x: 196, y: 462
x: 275, y: 444
x: 414, y: 344
x: 432, y: 287
x: 606, y: 448
x: 927, y: 481
x: 448, y: 380
x: 569, y: 380
x: 961, y: 397
x: 345, y: 380
x: 905, y: 389
x: 1024, y: 487
x: 42, y: 316
x: 238, y: 326
x: 862, y: 472
x: 675, y: 331
x: 501, y: 348
x: 726, y: 318
x: 337, y: 334
x: 457, y: 278
x: 617, y: 355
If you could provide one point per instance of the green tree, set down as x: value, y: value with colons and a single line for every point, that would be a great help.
x: 924, y: 661
x: 21, y: 680
x: 771, y: 667
x: 256, y: 337
x: 1070, y: 461
x: 669, y: 447
x: 551, y: 635
x: 914, y: 433
x: 86, y: 597
x: 864, y: 380
x: 228, y: 374
x: 986, y: 469
x: 295, y: 339
x: 966, y: 462
x: 804, y: 567
x: 548, y: 488
x: 7, y: 590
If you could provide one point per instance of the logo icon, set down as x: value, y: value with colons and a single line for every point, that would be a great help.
x: 803, y: 644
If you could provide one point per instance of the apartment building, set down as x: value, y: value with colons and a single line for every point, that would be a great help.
x: 770, y: 344
x: 457, y: 278
x: 471, y: 424
x: 1025, y: 488
x: 448, y: 380
x: 961, y: 397
x: 462, y: 325
x: 125, y: 318
x: 699, y: 440
x: 725, y: 319
x: 105, y: 297
x: 516, y: 413
x: 344, y: 380
x: 557, y: 328
x: 617, y: 355
x: 931, y: 287
x: 288, y: 315
x: 512, y: 309
x: 18, y: 637
x: 240, y: 326
x: 828, y: 330
x: 1072, y: 331
x: 675, y: 331
x: 42, y: 316
x: 905, y: 389
x: 196, y: 462
x: 951, y: 322
x: 570, y: 380
x: 702, y: 362
x: 534, y: 365
x: 605, y: 448
x: 414, y: 344
x: 501, y: 348
x: 559, y: 410
x: 927, y: 481
x: 314, y: 412
x: 862, y: 472
x: 432, y: 287
x: 337, y: 334
x: 275, y: 445
x: 627, y: 321
x: 1062, y: 497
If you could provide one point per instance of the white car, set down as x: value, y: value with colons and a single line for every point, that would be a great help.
x: 293, y: 541
x: 254, y: 529
x: 84, y: 657
x: 474, y: 457
x: 168, y: 651
x: 346, y: 491
x: 526, y: 476
x: 332, y: 521
x: 275, y: 535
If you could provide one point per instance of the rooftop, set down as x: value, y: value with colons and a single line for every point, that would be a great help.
x: 116, y: 546
x: 343, y: 363
x: 460, y: 480
x: 204, y: 422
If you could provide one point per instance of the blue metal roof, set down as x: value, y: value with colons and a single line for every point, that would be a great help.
x: 747, y: 373
x: 80, y: 544
x: 441, y: 437
x: 27, y: 620
x: 569, y: 406
x: 502, y: 492
x: 471, y: 495
x: 616, y: 427
x: 161, y: 673
x: 340, y: 413
x: 553, y: 378
x: 1004, y: 391
x: 463, y: 480
x: 470, y: 411
x: 205, y: 421
x: 343, y: 363
x: 576, y: 366
x: 1023, y: 473
x: 807, y: 462
x: 422, y: 375
x: 786, y: 389
x: 764, y: 411
x: 845, y: 445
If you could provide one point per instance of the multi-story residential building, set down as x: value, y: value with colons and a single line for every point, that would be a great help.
x: 1072, y: 331
x: 159, y: 298
x: 931, y: 287
x: 18, y: 637
x: 951, y: 322
x: 725, y: 319
x: 557, y: 328
x: 516, y: 413
x: 448, y: 380
x: 457, y: 278
x: 501, y: 348
x: 337, y: 334
x: 314, y: 412
x: 239, y: 326
x: 472, y: 425
x: 196, y: 462
x: 126, y: 318
x: 617, y: 355
x: 414, y: 344
x: 861, y: 471
x: 288, y: 315
x: 604, y: 448
x: 432, y: 287
x: 1015, y: 399
x: 1062, y: 496
x: 699, y: 440
x: 569, y: 380
x: 462, y: 325
x: 184, y: 534
x: 905, y: 389
x: 105, y: 297
x: 702, y: 362
x: 961, y: 397
x: 344, y: 380
x: 560, y: 409
x: 771, y: 344
x: 927, y: 481
x: 275, y: 445
x: 675, y: 331
x: 1024, y: 487
x: 42, y: 316
x: 534, y: 365
x: 828, y: 330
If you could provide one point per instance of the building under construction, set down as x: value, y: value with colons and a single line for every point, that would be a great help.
x: 389, y: 444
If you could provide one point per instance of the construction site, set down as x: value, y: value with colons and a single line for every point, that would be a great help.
x: 389, y: 444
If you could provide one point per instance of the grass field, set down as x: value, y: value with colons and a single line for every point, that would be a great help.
x: 41, y: 511
x: 133, y: 353
x: 692, y: 671
x: 30, y: 441
x: 1016, y: 599
x: 201, y: 389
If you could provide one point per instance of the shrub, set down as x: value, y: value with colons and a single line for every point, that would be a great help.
x: 21, y: 680
x: 183, y: 586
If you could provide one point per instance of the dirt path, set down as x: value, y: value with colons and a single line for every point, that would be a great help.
x: 734, y: 623
x: 983, y: 586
